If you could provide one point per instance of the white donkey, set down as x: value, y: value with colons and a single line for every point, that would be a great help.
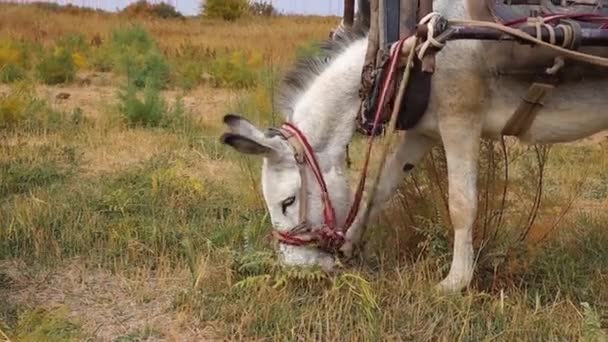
x: 471, y: 98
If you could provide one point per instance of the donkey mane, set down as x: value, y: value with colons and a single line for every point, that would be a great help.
x: 308, y: 68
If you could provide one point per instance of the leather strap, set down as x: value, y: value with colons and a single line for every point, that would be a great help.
x: 418, y: 89
x: 298, y: 152
x: 524, y: 115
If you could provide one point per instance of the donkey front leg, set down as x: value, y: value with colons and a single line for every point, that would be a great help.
x: 411, y: 148
x: 461, y: 137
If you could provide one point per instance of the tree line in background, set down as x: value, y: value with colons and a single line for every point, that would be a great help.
x: 234, y: 9
x: 220, y: 9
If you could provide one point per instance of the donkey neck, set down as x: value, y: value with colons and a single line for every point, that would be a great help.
x: 326, y: 111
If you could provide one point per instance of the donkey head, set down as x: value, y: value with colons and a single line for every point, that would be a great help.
x: 282, y: 186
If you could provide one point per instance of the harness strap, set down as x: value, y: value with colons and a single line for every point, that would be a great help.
x: 329, y: 213
x: 299, y: 155
x: 388, y: 81
x: 524, y: 115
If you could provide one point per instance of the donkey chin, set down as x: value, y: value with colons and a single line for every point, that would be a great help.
x: 302, y: 256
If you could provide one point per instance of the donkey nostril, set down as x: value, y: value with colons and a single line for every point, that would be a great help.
x: 408, y: 167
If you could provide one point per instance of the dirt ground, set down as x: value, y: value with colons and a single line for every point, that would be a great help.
x: 105, y: 305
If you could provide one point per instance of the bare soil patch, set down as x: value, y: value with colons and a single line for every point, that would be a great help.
x: 106, y: 305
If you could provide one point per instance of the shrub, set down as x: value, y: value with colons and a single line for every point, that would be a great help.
x: 19, y: 105
x: 225, y: 9
x: 57, y: 67
x: 137, y: 57
x: 12, y: 62
x: 10, y: 73
x: 147, y: 107
x: 134, y: 37
x: 12, y: 108
x: 144, y: 9
x: 140, y: 70
x: 75, y: 42
x: 191, y: 65
x: 101, y: 58
x: 265, y: 9
x: 236, y: 70
x: 188, y: 74
x: 9, y: 53
x: 146, y: 111
x: 165, y: 11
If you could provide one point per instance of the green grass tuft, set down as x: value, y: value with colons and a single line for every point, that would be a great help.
x: 57, y: 67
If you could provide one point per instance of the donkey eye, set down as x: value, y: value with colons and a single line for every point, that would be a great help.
x: 286, y: 203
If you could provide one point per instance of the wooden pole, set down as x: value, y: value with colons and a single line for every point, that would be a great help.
x: 367, y: 74
x: 349, y: 12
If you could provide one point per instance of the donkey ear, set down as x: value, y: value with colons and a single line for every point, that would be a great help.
x: 247, y: 138
x: 239, y: 125
x: 244, y: 144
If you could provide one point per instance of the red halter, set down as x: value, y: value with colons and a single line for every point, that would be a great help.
x: 329, y: 236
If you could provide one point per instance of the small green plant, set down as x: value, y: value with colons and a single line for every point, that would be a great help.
x: 57, y: 67
x: 148, y: 108
x: 145, y: 109
x: 225, y: 9
x: 592, y: 324
x: 17, y: 105
x: 47, y: 325
x: 10, y: 73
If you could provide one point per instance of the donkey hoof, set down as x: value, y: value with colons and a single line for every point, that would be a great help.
x: 451, y: 285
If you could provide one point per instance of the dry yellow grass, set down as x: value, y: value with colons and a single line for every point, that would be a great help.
x: 34, y: 24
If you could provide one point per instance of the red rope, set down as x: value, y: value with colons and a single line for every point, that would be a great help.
x: 388, y: 81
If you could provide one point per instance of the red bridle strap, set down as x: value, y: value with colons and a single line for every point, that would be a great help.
x: 386, y: 86
x: 329, y: 213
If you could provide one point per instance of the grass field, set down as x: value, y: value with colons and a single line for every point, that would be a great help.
x: 122, y: 218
